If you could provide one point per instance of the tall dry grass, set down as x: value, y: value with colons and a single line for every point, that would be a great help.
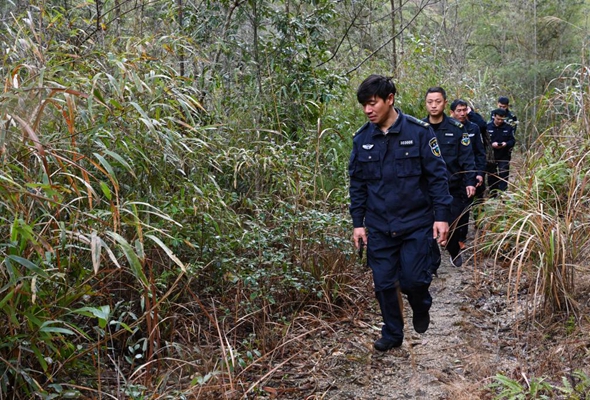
x: 539, y: 229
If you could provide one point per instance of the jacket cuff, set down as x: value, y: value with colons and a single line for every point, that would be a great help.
x: 358, y: 222
x: 441, y: 215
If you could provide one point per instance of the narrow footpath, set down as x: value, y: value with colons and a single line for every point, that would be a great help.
x: 464, y: 345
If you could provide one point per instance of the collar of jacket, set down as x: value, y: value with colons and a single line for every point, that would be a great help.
x: 395, y: 128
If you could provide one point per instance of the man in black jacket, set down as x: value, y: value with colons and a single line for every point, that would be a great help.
x: 503, y: 141
x: 480, y: 191
x: 399, y: 202
x: 455, y: 147
x: 459, y: 109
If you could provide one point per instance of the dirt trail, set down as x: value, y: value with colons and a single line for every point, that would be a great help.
x: 447, y: 362
x: 425, y: 363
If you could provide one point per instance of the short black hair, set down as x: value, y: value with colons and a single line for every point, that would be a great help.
x: 458, y: 102
x: 375, y: 85
x: 503, y: 100
x: 500, y: 111
x: 436, y: 89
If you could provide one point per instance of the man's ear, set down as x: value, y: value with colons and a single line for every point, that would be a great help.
x: 391, y: 99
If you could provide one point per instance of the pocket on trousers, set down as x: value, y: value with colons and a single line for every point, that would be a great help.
x: 435, y: 257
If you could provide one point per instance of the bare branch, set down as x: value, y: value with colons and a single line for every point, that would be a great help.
x: 423, y: 5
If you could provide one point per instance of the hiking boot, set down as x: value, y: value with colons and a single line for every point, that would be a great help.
x: 457, y: 261
x: 421, y: 322
x: 386, y: 344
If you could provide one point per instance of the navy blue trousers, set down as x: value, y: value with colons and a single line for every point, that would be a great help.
x: 463, y: 226
x: 456, y: 214
x: 402, y: 264
x: 498, y: 175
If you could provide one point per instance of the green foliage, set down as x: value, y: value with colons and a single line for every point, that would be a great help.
x: 177, y: 170
x: 535, y: 388
x: 577, y: 387
x: 118, y: 183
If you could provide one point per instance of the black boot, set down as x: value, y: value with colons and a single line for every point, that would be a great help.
x: 392, y: 333
x: 420, y: 300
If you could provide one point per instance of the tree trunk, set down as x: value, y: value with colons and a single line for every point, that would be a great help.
x: 393, y: 32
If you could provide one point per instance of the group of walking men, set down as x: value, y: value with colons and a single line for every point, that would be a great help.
x: 472, y: 149
x: 411, y: 184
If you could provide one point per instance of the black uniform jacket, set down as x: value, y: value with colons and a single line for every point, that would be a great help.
x: 477, y: 146
x: 499, y: 134
x: 455, y: 147
x: 398, y: 180
x: 478, y: 120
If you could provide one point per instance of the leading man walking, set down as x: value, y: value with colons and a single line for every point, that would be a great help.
x: 399, y: 203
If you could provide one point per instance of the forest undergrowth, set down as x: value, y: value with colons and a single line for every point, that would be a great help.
x: 173, y: 204
x: 482, y: 344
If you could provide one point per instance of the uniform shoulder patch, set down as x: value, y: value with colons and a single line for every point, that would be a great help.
x: 455, y: 122
x: 360, y: 129
x: 434, y: 147
x: 417, y: 121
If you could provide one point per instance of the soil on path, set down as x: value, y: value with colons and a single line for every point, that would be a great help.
x: 464, y: 344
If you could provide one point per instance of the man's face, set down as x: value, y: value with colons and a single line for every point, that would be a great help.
x: 377, y: 109
x: 460, y: 113
x: 503, y: 106
x: 435, y: 104
x: 498, y: 120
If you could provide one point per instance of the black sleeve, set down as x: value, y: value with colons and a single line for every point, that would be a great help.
x: 357, y: 191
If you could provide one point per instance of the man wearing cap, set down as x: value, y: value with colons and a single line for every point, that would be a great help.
x: 504, y: 103
x: 502, y: 138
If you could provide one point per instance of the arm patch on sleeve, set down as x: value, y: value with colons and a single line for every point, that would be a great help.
x: 465, y: 141
x: 434, y: 147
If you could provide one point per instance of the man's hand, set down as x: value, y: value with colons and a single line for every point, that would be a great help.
x: 440, y: 231
x: 470, y: 191
x: 359, y: 233
x: 479, y: 181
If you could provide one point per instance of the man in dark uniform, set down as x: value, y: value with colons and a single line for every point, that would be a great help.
x: 477, y: 118
x: 399, y: 201
x: 502, y: 138
x: 459, y: 109
x: 455, y: 148
x: 504, y: 103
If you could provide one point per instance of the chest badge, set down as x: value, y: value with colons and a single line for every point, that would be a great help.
x: 368, y: 146
x: 406, y: 142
